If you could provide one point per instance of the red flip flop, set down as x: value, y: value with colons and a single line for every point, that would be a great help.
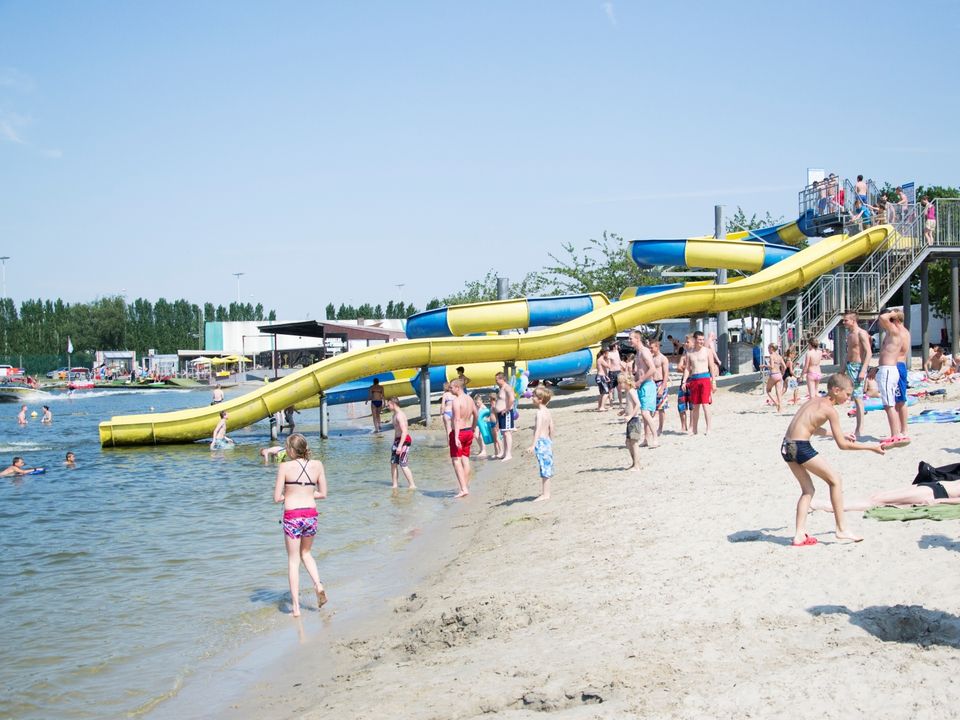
x: 807, y: 540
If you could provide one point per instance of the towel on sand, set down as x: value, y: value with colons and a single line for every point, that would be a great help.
x: 915, y: 512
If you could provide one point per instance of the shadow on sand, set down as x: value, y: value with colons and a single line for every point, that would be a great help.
x: 938, y: 541
x: 900, y: 623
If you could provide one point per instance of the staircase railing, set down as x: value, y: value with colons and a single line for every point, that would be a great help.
x: 818, y: 309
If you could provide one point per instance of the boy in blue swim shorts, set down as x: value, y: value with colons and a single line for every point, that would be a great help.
x: 542, y: 446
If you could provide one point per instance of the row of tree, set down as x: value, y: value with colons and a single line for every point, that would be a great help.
x: 41, y: 327
x: 393, y: 311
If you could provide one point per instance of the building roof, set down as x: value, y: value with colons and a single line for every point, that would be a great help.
x: 313, y: 328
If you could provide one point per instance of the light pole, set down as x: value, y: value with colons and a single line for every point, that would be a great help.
x: 3, y: 260
x: 237, y: 276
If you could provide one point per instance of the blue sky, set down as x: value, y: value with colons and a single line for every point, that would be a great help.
x: 333, y: 150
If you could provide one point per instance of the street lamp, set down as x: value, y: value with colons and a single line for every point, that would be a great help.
x: 3, y: 260
x: 237, y: 276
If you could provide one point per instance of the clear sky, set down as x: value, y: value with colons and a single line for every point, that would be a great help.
x: 332, y: 150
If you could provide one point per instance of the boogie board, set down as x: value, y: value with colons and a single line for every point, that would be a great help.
x: 936, y: 416
x: 36, y: 471
x: 875, y: 404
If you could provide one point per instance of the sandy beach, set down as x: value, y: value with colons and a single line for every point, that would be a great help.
x: 672, y: 593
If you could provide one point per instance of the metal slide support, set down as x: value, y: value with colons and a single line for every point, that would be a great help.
x: 907, y: 311
x: 274, y: 428
x: 954, y: 304
x: 723, y: 335
x: 425, y: 395
x: 924, y: 313
x: 325, y: 418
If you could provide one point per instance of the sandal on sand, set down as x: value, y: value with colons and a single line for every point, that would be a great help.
x: 807, y: 541
x: 895, y: 442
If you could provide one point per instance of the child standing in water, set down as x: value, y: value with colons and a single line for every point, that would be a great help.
x: 803, y: 460
x: 300, y: 483
x: 542, y: 445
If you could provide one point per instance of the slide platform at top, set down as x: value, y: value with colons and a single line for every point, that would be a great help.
x: 585, y: 331
x: 751, y: 251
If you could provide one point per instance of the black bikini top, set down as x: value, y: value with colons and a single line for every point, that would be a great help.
x: 303, y: 471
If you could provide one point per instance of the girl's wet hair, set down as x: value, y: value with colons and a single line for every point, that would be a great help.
x: 297, y: 447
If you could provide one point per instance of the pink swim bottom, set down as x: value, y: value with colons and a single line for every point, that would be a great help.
x: 299, y: 522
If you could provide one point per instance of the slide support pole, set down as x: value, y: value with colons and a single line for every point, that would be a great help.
x: 924, y: 313
x: 325, y: 418
x: 723, y: 335
x: 425, y: 395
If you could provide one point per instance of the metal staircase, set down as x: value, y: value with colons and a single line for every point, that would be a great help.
x: 819, y: 308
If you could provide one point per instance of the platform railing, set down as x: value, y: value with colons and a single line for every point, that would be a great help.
x: 947, y: 232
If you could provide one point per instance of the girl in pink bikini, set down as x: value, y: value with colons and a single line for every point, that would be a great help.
x: 811, y: 367
x: 300, y: 483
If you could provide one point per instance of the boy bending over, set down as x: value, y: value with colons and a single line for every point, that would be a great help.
x: 803, y: 460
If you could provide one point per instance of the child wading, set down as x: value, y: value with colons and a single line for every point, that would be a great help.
x: 803, y: 460
x: 542, y: 445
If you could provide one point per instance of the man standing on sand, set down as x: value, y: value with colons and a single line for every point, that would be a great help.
x: 888, y: 376
x: 903, y: 364
x: 661, y: 377
x: 859, y: 354
x: 700, y: 377
x: 643, y: 371
x: 461, y: 436
x: 504, y: 410
x: 401, y: 445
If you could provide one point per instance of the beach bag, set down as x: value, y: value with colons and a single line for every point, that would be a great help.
x: 514, y: 414
x: 927, y: 473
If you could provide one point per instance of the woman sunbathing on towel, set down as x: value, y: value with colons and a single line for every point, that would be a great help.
x: 946, y: 492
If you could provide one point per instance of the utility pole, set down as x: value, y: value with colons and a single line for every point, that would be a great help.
x: 238, y: 275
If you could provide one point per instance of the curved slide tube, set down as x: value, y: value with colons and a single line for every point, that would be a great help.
x: 502, y: 315
x: 588, y: 330
x: 480, y: 374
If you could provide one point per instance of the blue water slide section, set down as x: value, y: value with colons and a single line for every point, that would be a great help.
x: 773, y: 254
x: 654, y: 289
x: 428, y: 324
x: 558, y: 310
x: 574, y: 363
x: 658, y: 252
x: 355, y: 391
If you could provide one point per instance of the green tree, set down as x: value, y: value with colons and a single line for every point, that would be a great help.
x: 330, y: 312
x: 939, y: 271
x: 434, y: 304
x: 601, y: 265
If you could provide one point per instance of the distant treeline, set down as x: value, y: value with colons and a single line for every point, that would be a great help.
x: 393, y: 311
x: 41, y: 327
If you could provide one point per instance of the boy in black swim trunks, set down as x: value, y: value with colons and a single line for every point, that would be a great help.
x: 803, y: 460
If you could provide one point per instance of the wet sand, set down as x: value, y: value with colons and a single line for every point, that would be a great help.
x: 670, y: 593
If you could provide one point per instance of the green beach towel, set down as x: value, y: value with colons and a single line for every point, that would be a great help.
x: 915, y: 512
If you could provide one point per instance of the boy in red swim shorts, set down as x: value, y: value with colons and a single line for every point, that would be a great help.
x: 461, y: 436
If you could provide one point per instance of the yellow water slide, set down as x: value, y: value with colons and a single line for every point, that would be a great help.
x: 783, y: 277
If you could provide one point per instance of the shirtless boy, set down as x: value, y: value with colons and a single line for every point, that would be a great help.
x: 700, y: 377
x: 375, y: 398
x: 220, y: 438
x: 643, y: 370
x: 603, y: 378
x: 892, y: 389
x: 859, y: 354
x: 661, y: 376
x: 615, y: 367
x: 461, y: 436
x: 803, y: 460
x: 504, y: 410
x: 22, y: 415
x: 936, y: 364
x: 542, y: 445
x: 401, y: 445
